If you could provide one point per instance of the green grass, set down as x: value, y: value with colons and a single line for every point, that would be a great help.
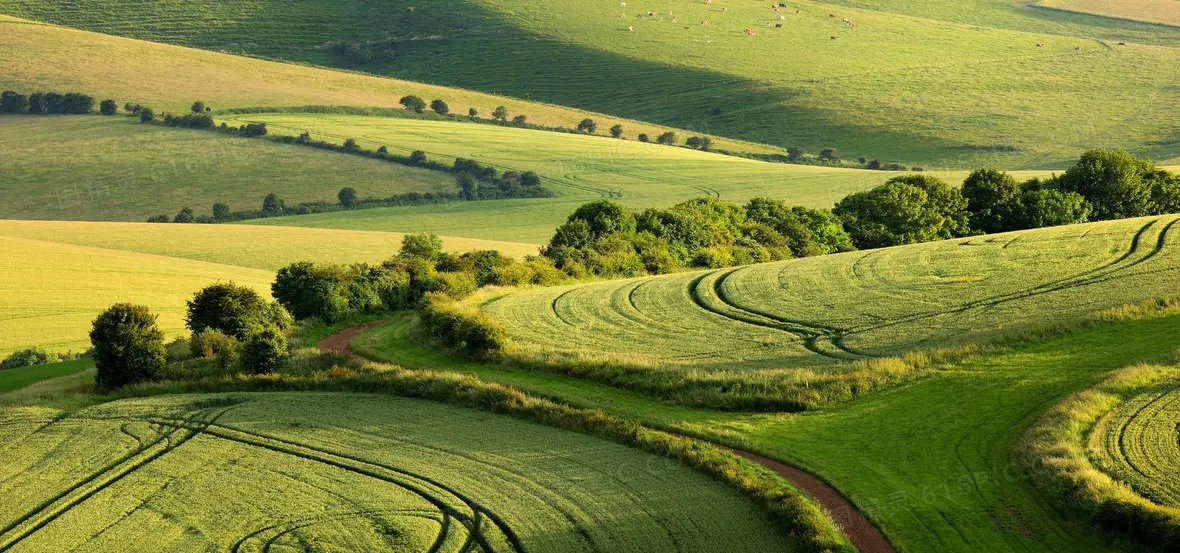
x: 55, y: 277
x: 930, y: 462
x: 15, y: 379
x: 956, y: 84
x: 579, y: 168
x: 170, y: 78
x: 353, y: 472
x: 1139, y: 443
x: 115, y: 169
x: 816, y: 313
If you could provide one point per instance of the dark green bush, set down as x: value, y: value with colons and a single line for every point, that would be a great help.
x: 440, y: 107
x: 28, y: 357
x: 587, y: 126
x: 234, y: 310
x: 905, y: 210
x: 413, y: 103
x: 13, y: 102
x: 265, y: 351
x: 108, y: 107
x: 146, y: 115
x: 128, y: 347
x: 616, y: 131
x: 185, y: 216
x: 347, y: 196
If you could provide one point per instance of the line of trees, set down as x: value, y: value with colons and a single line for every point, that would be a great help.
x: 420, y: 269
x: 474, y: 182
x: 52, y: 103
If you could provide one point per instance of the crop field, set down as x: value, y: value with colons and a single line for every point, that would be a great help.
x: 1166, y: 12
x: 353, y: 473
x: 15, y: 379
x: 171, y: 78
x: 55, y: 277
x: 950, y: 86
x: 1139, y: 443
x: 817, y: 311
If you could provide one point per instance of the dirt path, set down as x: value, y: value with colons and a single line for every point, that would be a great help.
x: 865, y: 537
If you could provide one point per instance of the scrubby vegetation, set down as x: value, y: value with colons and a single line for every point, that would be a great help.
x: 28, y: 357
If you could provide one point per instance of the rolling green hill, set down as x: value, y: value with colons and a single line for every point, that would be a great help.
x: 170, y: 78
x: 813, y: 330
x: 355, y: 473
x: 949, y: 84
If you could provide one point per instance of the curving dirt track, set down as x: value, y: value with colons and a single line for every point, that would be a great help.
x: 865, y: 537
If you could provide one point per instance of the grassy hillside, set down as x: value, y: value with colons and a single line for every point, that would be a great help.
x: 15, y: 379
x: 113, y: 168
x: 55, y: 277
x: 368, y: 473
x: 172, y: 78
x: 815, y: 312
x: 931, y: 462
x: 939, y: 83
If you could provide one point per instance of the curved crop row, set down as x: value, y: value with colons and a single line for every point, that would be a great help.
x: 277, y: 472
x: 1139, y: 443
x: 1055, y: 455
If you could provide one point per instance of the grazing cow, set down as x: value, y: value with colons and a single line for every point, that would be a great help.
x: 833, y: 37
x: 704, y: 22
x: 782, y: 17
x: 631, y: 29
x: 749, y: 32
x: 1122, y: 44
x: 831, y: 15
x: 724, y: 10
x: 1077, y: 48
x: 1040, y: 46
x: 778, y: 25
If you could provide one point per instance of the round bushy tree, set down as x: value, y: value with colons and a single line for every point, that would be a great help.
x: 440, y: 107
x: 616, y: 131
x: 221, y: 211
x: 108, y: 107
x: 904, y: 210
x: 473, y: 113
x: 587, y: 126
x: 347, y: 196
x: 128, y: 346
x: 199, y: 107
x: 146, y: 115
x: 265, y: 351
x: 500, y: 113
x: 273, y: 206
x: 993, y: 198
x: 1117, y: 184
x: 413, y: 103
x: 232, y: 309
x: 185, y: 215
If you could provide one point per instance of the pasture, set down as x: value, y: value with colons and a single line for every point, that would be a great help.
x: 195, y: 473
x: 815, y: 312
x: 171, y: 78
x: 15, y: 379
x: 1139, y: 443
x: 939, y: 85
x: 115, y: 169
x: 55, y: 277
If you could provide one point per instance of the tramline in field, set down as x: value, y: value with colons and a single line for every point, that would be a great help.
x: 815, y: 312
x: 351, y: 473
x: 1139, y: 443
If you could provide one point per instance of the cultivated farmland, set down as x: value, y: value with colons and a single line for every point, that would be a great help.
x: 56, y: 276
x: 1151, y: 11
x: 985, y: 93
x: 353, y: 473
x: 818, y: 311
x: 1139, y: 443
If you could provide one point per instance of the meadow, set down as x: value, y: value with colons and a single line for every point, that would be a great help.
x: 171, y: 78
x: 15, y: 379
x: 115, y: 169
x: 937, y: 85
x: 55, y: 277
x: 815, y: 313
x: 200, y: 472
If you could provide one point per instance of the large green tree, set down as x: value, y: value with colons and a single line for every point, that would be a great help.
x: 905, y: 210
x: 128, y: 346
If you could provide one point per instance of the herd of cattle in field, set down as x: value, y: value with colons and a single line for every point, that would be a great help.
x: 776, y: 24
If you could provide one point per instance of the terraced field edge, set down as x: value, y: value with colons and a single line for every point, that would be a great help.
x: 1054, y: 456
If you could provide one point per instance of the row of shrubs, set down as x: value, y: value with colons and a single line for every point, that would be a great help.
x: 29, y: 357
x: 607, y: 239
x: 473, y: 181
x: 52, y: 103
x: 1053, y: 454
x: 421, y: 269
